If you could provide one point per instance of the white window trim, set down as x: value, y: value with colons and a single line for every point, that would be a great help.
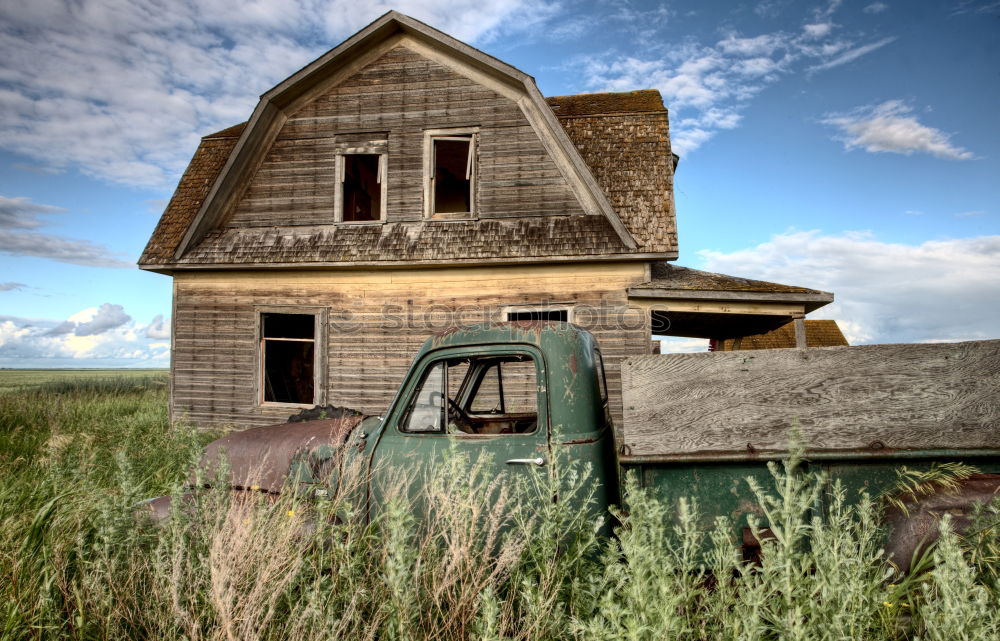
x: 430, y: 135
x: 339, y: 168
x: 504, y: 311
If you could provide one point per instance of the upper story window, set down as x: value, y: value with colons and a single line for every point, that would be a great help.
x: 361, y: 181
x: 450, y: 171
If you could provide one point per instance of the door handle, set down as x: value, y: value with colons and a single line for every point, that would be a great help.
x: 526, y: 461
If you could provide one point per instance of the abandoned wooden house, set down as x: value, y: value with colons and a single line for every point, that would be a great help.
x: 405, y: 182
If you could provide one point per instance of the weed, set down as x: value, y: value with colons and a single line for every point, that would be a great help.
x: 488, y: 560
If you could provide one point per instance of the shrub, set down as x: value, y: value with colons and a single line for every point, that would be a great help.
x: 491, y: 560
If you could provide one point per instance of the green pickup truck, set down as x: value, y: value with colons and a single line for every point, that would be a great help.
x: 694, y: 424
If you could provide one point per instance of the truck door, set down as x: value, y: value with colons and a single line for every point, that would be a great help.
x: 488, y: 403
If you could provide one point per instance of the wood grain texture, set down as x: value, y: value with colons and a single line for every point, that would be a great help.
x: 376, y: 322
x: 944, y: 396
x: 399, y: 95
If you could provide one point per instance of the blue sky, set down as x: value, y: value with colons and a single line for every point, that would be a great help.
x: 847, y: 146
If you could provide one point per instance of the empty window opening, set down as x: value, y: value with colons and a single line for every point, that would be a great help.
x: 452, y: 177
x: 362, y: 187
x: 481, y: 395
x: 288, y: 358
x: 539, y: 315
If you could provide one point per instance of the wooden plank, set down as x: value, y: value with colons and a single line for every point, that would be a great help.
x: 399, y: 95
x: 873, y: 397
x: 216, y: 337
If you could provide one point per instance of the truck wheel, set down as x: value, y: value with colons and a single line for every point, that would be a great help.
x: 913, y: 530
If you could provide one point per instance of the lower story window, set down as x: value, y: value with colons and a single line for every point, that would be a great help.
x: 288, y: 358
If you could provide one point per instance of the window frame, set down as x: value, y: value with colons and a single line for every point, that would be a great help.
x: 319, y: 315
x: 507, y: 310
x: 340, y: 165
x: 430, y: 136
x: 414, y: 383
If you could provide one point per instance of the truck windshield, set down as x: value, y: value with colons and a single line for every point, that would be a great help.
x: 495, y: 394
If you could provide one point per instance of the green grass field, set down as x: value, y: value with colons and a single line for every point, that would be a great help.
x: 17, y: 379
x: 490, y: 562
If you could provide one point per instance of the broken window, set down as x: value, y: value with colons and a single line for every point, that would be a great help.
x: 452, y: 175
x: 288, y: 358
x: 539, y: 314
x: 362, y: 178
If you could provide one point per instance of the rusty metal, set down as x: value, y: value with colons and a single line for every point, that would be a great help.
x: 916, y: 527
x: 259, y: 458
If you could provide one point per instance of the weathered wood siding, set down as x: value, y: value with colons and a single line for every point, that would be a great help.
x: 376, y: 321
x: 873, y: 397
x: 396, y: 98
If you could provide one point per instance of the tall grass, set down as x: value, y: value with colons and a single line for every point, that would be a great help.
x: 491, y: 560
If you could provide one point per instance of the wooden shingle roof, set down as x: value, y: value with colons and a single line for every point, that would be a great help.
x: 673, y: 282
x: 819, y: 333
x: 623, y: 138
x: 675, y: 277
x: 197, y: 180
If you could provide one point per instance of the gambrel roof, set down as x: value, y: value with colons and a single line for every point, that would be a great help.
x: 612, y: 149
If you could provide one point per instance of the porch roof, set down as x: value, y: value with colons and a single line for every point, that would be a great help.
x: 700, y: 304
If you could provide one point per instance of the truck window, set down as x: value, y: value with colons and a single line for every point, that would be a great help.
x: 426, y: 411
x: 601, y: 382
x: 477, y: 395
x: 502, y: 396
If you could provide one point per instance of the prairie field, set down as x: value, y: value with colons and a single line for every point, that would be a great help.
x: 489, y: 562
x: 16, y: 379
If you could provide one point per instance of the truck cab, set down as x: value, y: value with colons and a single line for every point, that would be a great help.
x: 516, y: 397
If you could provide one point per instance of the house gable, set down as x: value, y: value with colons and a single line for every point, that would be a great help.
x: 389, y: 104
x: 390, y: 32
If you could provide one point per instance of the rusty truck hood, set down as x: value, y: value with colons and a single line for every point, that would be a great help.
x: 259, y: 458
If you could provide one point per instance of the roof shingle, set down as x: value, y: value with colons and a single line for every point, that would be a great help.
x: 674, y: 277
x: 623, y: 138
x: 819, y: 333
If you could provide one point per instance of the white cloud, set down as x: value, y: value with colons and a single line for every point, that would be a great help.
x: 10, y: 332
x: 123, y: 89
x: 885, y: 292
x: 818, y: 30
x: 19, y: 217
x: 103, y: 336
x: 876, y: 7
x: 831, y: 7
x: 103, y: 319
x: 21, y: 213
x: 64, y: 250
x: 977, y: 6
x: 11, y: 286
x: 853, y: 54
x: 970, y: 214
x: 889, y: 127
x: 700, y: 80
x: 158, y: 328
